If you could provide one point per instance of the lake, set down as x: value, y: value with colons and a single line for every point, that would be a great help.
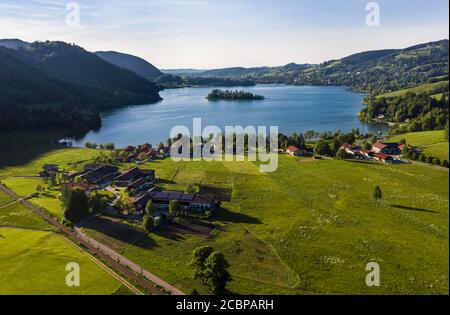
x: 292, y: 108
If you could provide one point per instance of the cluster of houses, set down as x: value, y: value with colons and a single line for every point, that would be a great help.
x: 139, y: 182
x: 386, y: 152
x: 142, y: 153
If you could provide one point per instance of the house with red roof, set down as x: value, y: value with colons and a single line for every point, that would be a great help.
x: 385, y: 158
x: 390, y: 148
x: 294, y: 151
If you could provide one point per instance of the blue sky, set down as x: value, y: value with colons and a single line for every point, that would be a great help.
x: 220, y: 33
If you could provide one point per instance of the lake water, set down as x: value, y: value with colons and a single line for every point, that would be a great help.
x: 292, y: 108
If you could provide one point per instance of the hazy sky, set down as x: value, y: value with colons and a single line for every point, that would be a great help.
x: 221, y: 33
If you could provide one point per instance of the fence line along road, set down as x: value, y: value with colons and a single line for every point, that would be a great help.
x: 117, y: 261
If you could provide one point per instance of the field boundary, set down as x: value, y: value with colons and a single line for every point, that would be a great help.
x: 144, y: 279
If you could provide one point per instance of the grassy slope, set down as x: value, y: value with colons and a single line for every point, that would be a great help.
x: 27, y: 186
x: 47, y: 251
x: 33, y: 262
x: 431, y: 142
x: 309, y: 227
x: 427, y: 87
x: 312, y: 227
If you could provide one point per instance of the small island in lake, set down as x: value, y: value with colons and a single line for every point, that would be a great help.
x: 216, y: 95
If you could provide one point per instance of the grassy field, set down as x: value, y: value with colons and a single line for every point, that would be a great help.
x: 32, y: 255
x: 311, y: 228
x: 432, y: 143
x: 306, y: 228
x: 424, y: 88
x: 33, y: 262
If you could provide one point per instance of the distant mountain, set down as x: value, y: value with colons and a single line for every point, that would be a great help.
x: 260, y: 74
x: 183, y: 72
x: 379, y: 71
x: 132, y: 63
x: 13, y: 43
x: 47, y: 84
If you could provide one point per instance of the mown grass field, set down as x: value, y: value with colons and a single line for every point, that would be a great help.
x: 34, y: 262
x: 32, y: 255
x: 312, y: 228
x: 432, y: 143
x: 424, y: 88
x: 306, y: 228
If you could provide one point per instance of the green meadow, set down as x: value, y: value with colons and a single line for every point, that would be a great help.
x: 432, y: 143
x: 34, y: 262
x: 424, y: 88
x: 32, y: 255
x: 308, y: 228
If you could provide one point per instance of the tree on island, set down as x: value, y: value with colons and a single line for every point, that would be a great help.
x: 232, y: 95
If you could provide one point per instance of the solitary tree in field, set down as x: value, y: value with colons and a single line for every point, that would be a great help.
x: 198, y: 260
x: 377, y: 194
x: 216, y: 272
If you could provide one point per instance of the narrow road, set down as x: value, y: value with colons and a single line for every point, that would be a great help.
x: 126, y: 267
x: 13, y: 202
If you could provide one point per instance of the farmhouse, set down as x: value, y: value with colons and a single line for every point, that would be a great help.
x: 352, y: 149
x: 294, y: 151
x: 139, y: 184
x: 161, y: 199
x: 383, y: 158
x: 386, y: 148
x: 100, y: 173
x: 130, y: 176
x: 129, y: 149
x: 367, y: 154
x: 86, y: 187
x: 47, y: 169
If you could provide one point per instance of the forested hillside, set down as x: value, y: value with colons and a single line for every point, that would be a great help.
x: 54, y: 84
x: 379, y: 71
x: 135, y: 64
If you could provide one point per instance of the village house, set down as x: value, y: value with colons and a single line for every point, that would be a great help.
x: 352, y: 149
x: 101, y: 173
x: 189, y: 202
x: 139, y: 185
x: 128, y: 177
x: 47, y: 169
x: 385, y: 158
x: 144, y: 147
x: 367, y: 154
x: 294, y: 151
x: 386, y: 148
x: 129, y: 149
x: 86, y: 187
